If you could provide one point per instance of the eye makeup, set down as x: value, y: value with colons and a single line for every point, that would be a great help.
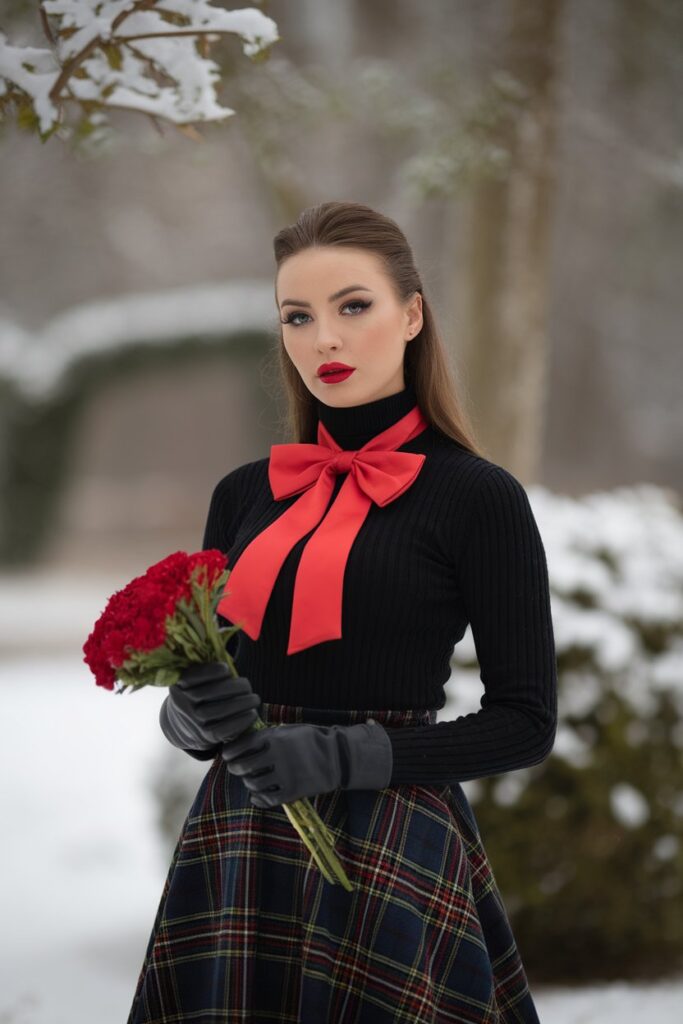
x: 289, y: 319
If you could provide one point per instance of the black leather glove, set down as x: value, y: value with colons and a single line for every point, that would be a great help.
x: 207, y: 706
x: 286, y: 762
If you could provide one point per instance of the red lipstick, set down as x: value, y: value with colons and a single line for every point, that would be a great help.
x: 333, y: 373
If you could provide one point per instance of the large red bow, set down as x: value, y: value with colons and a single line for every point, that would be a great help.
x: 377, y: 472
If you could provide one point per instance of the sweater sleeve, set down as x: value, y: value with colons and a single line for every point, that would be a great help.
x: 503, y: 579
x: 219, y: 530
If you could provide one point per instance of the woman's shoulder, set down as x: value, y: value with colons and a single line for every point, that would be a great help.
x: 233, y: 492
x: 466, y: 466
x: 242, y: 478
x: 475, y: 481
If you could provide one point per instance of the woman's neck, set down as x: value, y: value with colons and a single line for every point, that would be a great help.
x: 352, y: 426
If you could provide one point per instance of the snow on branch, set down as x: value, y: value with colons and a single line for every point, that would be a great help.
x: 149, y: 56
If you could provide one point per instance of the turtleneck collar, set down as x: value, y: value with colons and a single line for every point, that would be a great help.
x: 352, y: 426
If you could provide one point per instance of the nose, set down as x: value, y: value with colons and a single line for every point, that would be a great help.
x: 326, y: 335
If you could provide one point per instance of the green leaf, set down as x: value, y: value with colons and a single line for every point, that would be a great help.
x: 114, y: 55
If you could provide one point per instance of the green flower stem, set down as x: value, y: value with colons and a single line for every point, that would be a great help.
x: 310, y: 826
x: 318, y: 839
x: 315, y: 834
x: 330, y: 837
x: 194, y: 619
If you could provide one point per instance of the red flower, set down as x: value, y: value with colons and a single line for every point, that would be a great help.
x: 161, y: 622
x: 176, y: 592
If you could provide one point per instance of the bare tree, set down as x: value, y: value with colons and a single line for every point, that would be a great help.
x: 508, y: 221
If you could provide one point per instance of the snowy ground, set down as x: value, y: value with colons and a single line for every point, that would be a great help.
x: 83, y: 865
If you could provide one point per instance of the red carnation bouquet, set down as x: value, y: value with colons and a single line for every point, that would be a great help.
x: 165, y: 620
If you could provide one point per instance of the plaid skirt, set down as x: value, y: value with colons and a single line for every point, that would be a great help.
x: 248, y: 929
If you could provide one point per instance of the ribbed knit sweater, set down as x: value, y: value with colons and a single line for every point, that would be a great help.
x: 459, y: 546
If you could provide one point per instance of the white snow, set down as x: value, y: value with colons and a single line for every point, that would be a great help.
x: 508, y: 788
x: 38, y: 363
x: 83, y: 864
x: 666, y: 847
x: 157, y: 45
x: 616, y: 1002
x: 628, y: 805
x: 574, y: 749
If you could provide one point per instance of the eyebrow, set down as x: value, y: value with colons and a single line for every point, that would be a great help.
x: 337, y: 295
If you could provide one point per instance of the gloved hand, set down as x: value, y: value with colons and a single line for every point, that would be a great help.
x: 287, y: 762
x: 207, y: 706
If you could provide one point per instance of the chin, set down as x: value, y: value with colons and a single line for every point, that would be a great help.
x: 328, y: 391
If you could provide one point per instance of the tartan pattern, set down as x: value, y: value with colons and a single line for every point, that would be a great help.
x: 248, y: 930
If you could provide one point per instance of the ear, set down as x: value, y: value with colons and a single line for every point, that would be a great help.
x: 415, y: 318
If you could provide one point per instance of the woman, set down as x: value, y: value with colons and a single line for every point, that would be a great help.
x: 359, y: 553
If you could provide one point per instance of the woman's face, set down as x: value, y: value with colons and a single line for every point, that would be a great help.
x: 365, y: 328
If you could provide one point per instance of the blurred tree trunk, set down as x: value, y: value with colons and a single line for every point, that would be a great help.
x: 508, y: 223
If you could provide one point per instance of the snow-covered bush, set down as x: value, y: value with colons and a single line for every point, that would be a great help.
x: 48, y: 378
x: 587, y: 847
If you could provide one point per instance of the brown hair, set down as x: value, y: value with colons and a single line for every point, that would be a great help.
x: 426, y: 364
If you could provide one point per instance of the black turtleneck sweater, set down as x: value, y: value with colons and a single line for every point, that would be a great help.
x: 459, y: 546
